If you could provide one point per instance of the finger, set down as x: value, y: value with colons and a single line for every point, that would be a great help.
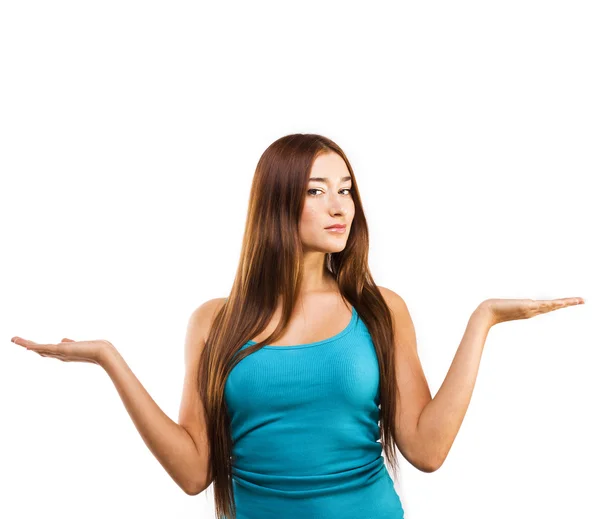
x: 19, y: 341
x: 30, y: 345
x: 550, y: 305
x: 545, y: 306
x: 68, y: 340
x: 567, y: 301
x: 53, y: 355
x: 49, y: 349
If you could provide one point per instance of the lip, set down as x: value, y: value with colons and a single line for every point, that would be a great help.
x: 337, y: 229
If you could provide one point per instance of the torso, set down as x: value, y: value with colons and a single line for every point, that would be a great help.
x: 316, y: 317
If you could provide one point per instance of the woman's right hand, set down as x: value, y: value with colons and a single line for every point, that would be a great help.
x: 69, y: 350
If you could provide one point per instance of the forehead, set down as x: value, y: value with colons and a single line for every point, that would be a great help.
x: 330, y: 167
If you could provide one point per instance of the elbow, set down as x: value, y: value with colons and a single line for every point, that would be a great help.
x: 434, y: 459
x: 423, y: 465
x: 197, y: 485
x: 193, y: 489
x: 421, y: 460
x: 189, y: 491
x: 430, y: 465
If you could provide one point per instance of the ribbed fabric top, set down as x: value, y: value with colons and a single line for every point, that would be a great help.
x: 304, y: 422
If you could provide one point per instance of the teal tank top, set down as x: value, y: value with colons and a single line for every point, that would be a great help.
x: 304, y: 424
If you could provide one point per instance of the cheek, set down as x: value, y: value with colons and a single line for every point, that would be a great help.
x: 309, y: 222
x: 309, y: 215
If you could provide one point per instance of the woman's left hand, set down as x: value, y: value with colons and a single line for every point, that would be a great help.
x: 68, y: 350
x: 501, y: 310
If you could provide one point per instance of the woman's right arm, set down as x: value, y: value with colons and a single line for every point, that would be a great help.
x: 182, y: 449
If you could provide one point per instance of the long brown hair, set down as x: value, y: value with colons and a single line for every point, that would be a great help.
x: 270, y: 270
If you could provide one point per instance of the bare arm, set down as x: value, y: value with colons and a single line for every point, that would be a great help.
x: 181, y: 448
x: 441, y: 418
x: 170, y: 443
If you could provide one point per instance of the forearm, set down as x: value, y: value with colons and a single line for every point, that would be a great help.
x: 442, y: 417
x: 170, y: 443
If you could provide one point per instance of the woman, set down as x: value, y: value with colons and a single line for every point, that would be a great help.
x: 291, y: 380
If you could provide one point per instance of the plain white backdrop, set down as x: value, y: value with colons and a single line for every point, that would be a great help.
x: 129, y: 134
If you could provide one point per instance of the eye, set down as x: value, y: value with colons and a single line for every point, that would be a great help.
x: 349, y: 189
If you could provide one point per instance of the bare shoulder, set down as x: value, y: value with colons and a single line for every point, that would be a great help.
x: 394, y: 300
x: 399, y: 309
x: 201, y: 319
x: 210, y: 307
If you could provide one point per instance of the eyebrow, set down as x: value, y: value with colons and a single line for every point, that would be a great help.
x: 326, y: 180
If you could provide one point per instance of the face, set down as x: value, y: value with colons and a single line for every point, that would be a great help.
x: 328, y: 201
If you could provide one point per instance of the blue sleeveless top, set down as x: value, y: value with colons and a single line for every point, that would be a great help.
x: 304, y: 423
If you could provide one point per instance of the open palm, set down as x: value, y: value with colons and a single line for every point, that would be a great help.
x: 502, y: 310
x: 67, y: 350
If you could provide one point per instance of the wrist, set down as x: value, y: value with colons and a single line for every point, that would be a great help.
x: 106, y: 354
x: 485, y: 314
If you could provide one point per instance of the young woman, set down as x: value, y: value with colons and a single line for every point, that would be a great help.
x: 294, y: 377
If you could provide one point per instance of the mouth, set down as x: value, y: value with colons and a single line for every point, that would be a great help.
x: 336, y: 228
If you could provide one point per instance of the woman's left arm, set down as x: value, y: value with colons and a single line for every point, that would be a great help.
x: 441, y: 418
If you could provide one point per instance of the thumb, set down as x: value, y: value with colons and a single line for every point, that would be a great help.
x: 67, y: 340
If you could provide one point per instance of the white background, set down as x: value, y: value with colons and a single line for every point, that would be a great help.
x: 129, y: 135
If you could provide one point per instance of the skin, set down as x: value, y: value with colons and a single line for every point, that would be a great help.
x: 326, y: 203
x: 494, y: 311
x: 427, y: 427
